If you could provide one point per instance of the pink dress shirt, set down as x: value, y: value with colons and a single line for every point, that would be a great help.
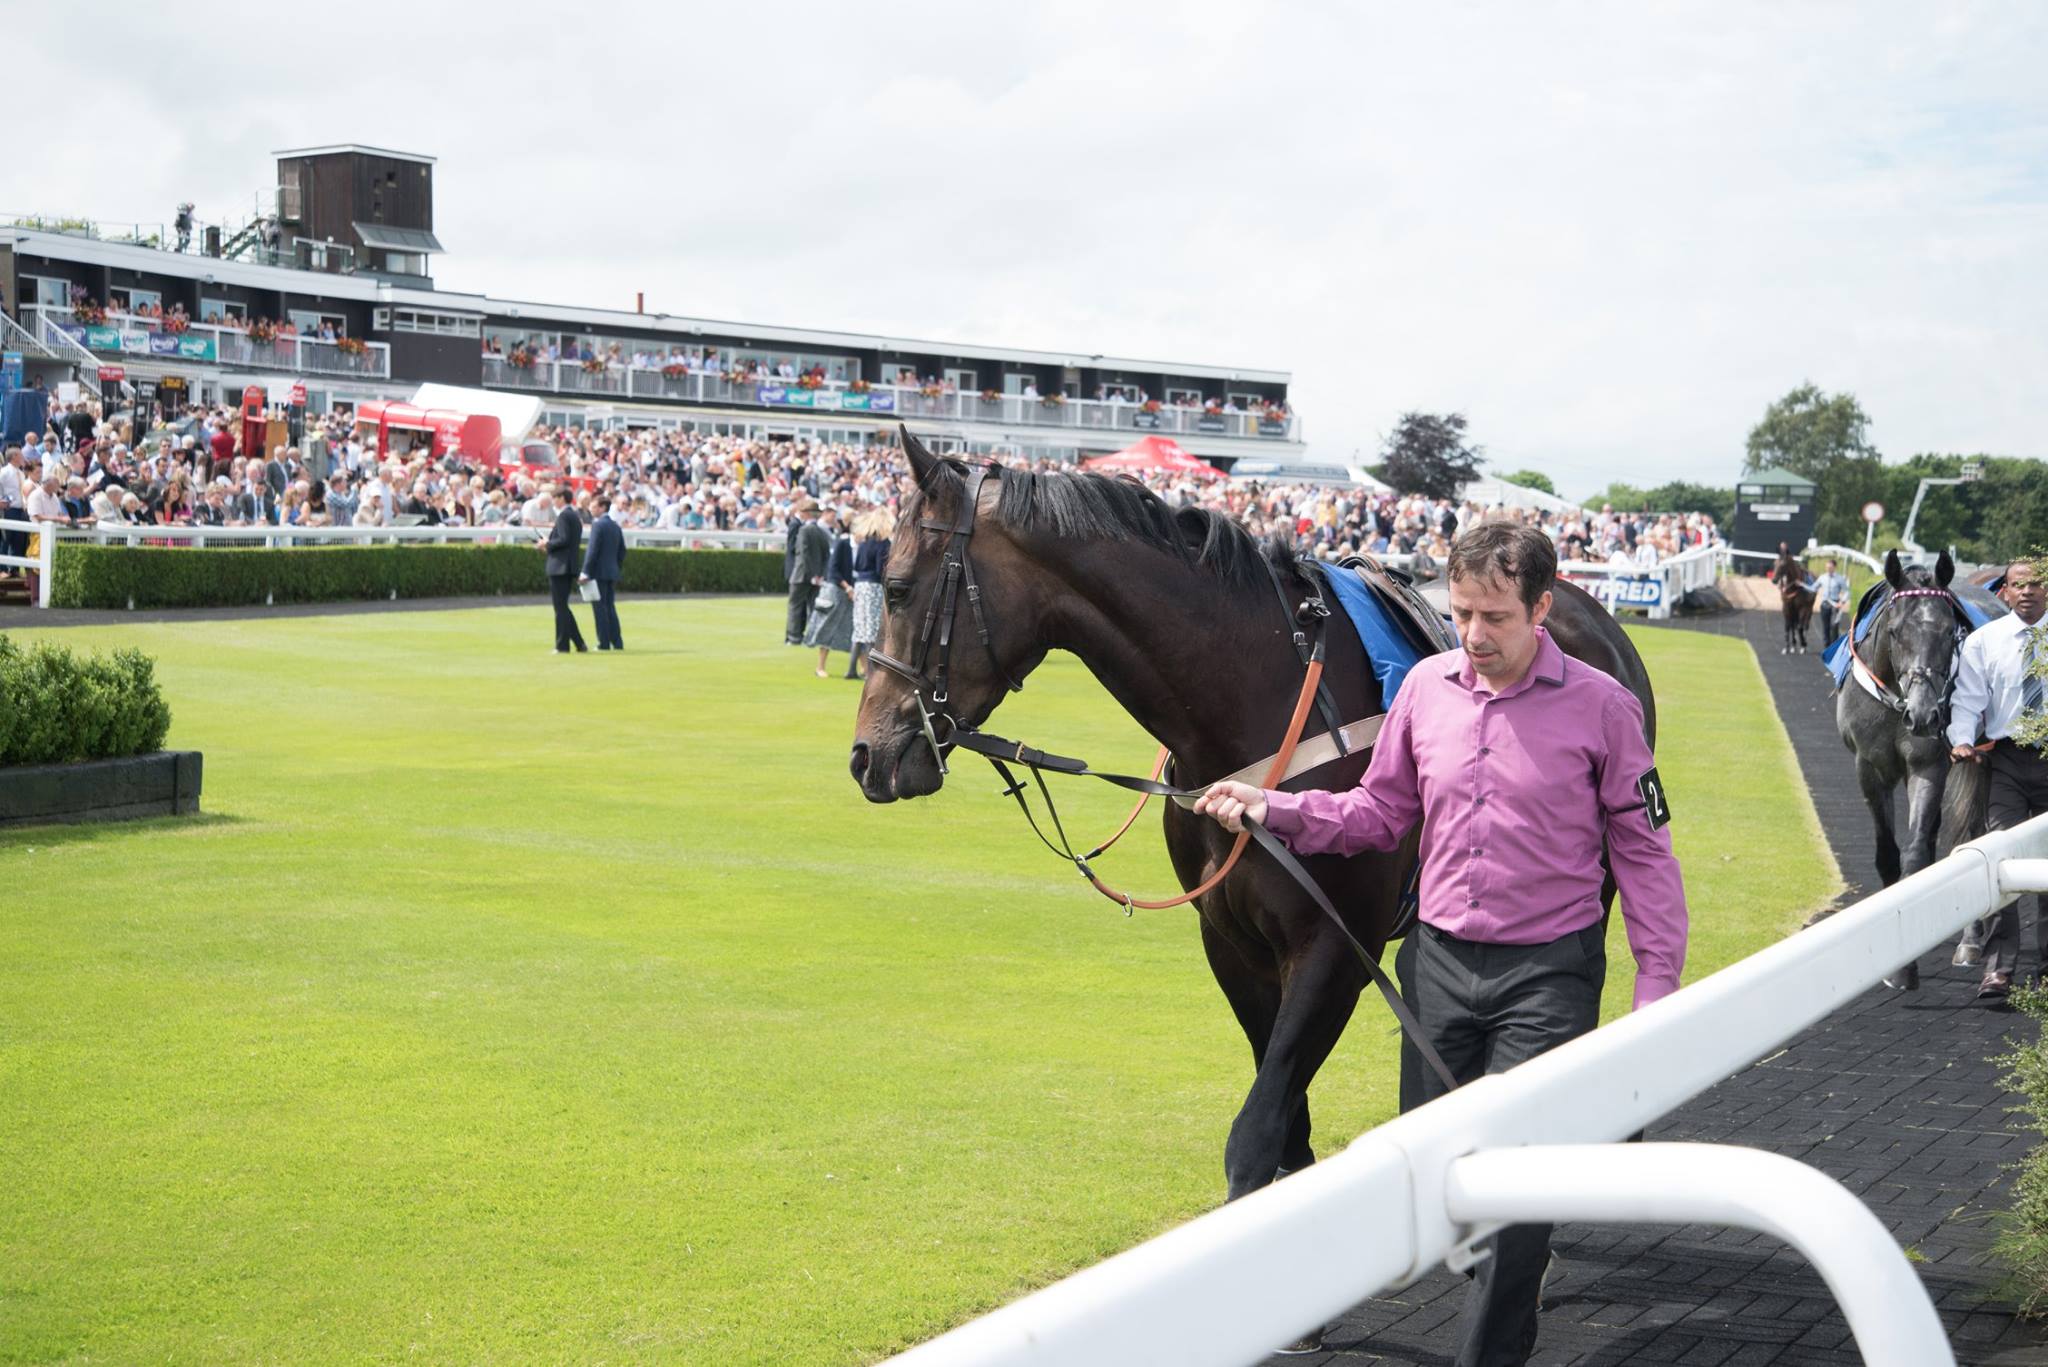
x: 1515, y: 791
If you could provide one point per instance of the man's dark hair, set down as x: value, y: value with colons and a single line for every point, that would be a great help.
x: 1508, y: 551
x: 602, y: 503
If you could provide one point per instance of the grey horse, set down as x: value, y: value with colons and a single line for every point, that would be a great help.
x: 1892, y: 714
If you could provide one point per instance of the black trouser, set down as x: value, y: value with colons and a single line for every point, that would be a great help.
x: 2017, y: 789
x: 802, y: 594
x: 606, y: 610
x: 1827, y: 625
x: 1486, y: 1008
x: 567, y: 633
x: 16, y: 541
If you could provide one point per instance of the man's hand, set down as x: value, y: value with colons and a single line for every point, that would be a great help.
x: 1232, y: 804
x: 1964, y: 753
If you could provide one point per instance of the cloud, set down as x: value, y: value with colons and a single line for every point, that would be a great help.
x: 1608, y: 233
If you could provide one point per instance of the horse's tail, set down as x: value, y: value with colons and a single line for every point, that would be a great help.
x: 1964, y: 805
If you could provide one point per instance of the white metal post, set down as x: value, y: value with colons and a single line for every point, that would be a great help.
x: 46, y: 547
x: 1884, y: 1302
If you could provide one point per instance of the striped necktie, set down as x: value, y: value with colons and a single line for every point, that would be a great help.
x: 2030, y: 678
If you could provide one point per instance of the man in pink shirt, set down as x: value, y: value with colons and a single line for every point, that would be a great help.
x: 1521, y: 764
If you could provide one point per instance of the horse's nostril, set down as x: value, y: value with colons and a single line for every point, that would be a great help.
x: 859, y: 761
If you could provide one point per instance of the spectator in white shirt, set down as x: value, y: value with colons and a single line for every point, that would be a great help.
x: 1996, y: 688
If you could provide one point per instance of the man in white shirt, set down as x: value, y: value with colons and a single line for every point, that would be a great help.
x: 1996, y: 686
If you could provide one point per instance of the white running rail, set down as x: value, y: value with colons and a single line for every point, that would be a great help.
x: 107, y: 534
x: 39, y: 562
x: 1535, y: 1144
x: 1656, y: 588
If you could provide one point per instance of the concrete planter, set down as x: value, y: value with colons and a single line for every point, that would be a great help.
x: 163, y: 784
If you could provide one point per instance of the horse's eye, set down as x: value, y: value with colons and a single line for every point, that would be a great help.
x: 895, y: 593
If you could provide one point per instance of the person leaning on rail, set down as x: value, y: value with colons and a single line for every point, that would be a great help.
x: 1520, y: 763
x: 1996, y: 687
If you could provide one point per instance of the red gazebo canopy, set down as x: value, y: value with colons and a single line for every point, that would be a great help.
x: 1149, y: 455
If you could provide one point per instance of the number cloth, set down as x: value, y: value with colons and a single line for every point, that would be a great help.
x: 1515, y: 792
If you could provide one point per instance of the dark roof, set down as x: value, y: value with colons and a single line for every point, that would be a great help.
x: 1778, y: 478
x: 398, y: 239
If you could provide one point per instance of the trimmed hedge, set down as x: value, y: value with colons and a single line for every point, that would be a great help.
x: 57, y: 707
x: 84, y: 576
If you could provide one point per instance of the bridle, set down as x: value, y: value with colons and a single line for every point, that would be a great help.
x: 930, y: 680
x: 1893, y: 696
x: 941, y: 611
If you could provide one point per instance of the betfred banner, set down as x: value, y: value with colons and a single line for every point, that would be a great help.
x: 1623, y: 590
x: 198, y: 349
x: 1210, y: 422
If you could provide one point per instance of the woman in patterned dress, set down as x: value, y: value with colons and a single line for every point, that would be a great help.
x: 874, y: 528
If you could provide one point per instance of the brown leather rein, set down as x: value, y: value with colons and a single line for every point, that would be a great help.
x: 956, y: 573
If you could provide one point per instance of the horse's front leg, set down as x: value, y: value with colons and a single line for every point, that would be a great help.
x: 1924, y: 785
x: 1317, y: 995
x: 1877, y: 795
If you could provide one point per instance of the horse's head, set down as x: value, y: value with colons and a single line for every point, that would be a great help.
x: 960, y: 627
x: 1922, y: 640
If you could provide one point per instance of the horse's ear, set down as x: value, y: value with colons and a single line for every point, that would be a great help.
x: 1944, y: 570
x: 923, y: 464
x: 1894, y: 572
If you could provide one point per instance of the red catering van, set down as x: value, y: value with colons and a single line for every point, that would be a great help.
x: 391, y: 428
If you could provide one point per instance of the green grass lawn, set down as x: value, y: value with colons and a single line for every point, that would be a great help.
x: 508, y: 1008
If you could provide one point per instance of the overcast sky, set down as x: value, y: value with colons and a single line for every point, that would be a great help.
x: 1610, y: 234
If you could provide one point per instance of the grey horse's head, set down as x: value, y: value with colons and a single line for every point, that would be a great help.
x: 1921, y: 641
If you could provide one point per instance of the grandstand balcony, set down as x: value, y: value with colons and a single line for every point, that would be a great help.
x: 625, y: 382
x: 134, y: 339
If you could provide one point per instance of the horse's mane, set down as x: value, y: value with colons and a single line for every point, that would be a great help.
x: 1082, y: 506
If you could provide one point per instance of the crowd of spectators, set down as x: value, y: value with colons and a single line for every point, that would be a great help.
x: 87, y: 472
x: 89, y: 310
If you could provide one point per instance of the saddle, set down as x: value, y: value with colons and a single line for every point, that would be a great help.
x: 1395, y: 622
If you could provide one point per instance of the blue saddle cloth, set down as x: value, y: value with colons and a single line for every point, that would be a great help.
x: 1835, y: 659
x: 1392, y: 642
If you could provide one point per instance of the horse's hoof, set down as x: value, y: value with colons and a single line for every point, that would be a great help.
x: 1311, y: 1342
x: 1967, y: 956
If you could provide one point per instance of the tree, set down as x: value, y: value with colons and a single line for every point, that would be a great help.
x: 1532, y: 479
x: 1427, y: 455
x: 1809, y: 433
x: 1823, y: 437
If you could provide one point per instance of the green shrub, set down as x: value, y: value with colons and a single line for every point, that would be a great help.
x: 56, y: 707
x: 84, y: 576
x: 2023, y: 1235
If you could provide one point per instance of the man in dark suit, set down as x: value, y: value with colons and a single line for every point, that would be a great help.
x: 603, y: 563
x: 809, y: 547
x: 256, y: 507
x: 564, y: 542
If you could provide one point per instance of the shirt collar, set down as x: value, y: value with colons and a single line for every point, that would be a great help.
x: 1547, y: 667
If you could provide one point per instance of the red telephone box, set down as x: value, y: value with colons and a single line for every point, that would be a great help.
x: 255, y: 423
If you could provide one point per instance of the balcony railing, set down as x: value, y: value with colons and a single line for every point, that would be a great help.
x: 1012, y: 410
x: 139, y: 339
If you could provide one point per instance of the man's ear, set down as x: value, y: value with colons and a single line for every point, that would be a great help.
x: 1542, y: 608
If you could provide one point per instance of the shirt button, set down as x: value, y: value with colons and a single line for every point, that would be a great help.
x: 1479, y: 801
x: 1471, y: 901
x: 1475, y: 851
x: 1485, y: 750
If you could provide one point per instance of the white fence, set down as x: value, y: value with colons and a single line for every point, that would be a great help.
x: 703, y: 539
x: 1536, y: 1144
x: 1654, y: 588
x: 303, y: 537
x: 39, y: 562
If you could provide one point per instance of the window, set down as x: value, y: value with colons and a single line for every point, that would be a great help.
x: 218, y: 310
x: 426, y: 320
x: 49, y: 293
x: 132, y: 299
x: 1187, y: 397
x: 309, y: 321
x: 963, y: 380
x: 405, y: 263
x: 288, y: 192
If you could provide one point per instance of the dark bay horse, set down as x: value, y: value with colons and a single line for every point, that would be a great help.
x: 1175, y: 613
x: 1795, y: 595
x: 1892, y: 713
